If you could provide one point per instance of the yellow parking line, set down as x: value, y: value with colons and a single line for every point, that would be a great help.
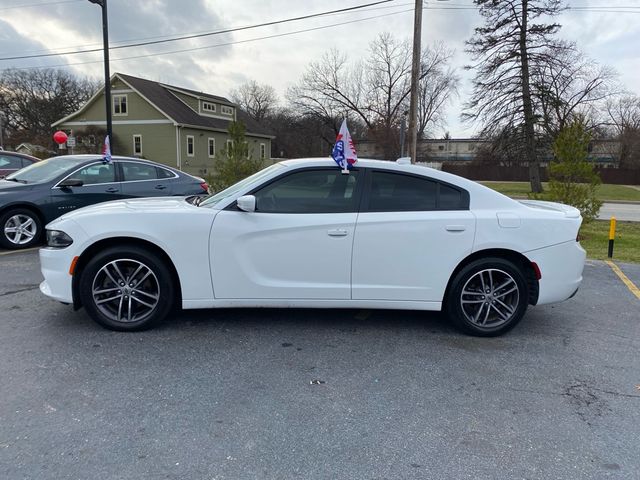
x: 630, y: 285
x: 11, y: 252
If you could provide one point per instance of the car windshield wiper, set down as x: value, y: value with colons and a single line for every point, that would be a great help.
x: 16, y: 180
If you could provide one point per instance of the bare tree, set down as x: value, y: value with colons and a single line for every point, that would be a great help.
x: 505, y: 51
x: 32, y: 100
x: 624, y: 125
x: 375, y: 91
x: 257, y: 100
x: 570, y: 85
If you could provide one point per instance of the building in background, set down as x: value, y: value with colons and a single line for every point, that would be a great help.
x: 179, y: 127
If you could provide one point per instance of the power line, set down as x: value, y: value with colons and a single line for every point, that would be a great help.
x: 43, y: 4
x: 295, y: 32
x: 137, y: 39
x: 200, y: 35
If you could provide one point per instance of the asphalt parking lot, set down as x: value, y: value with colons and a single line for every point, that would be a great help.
x: 310, y: 394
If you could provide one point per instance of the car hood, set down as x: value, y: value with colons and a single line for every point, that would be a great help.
x: 133, y: 205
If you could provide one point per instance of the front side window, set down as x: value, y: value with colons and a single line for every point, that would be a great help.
x: 133, y: 171
x: 97, y: 173
x: 310, y: 191
x: 190, y: 147
x: 120, y: 105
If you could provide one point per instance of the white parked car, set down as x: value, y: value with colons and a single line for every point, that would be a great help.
x: 301, y: 233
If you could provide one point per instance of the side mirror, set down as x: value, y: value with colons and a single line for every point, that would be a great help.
x: 70, y: 182
x: 247, y: 203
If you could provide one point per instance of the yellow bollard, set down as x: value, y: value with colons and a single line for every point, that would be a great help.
x: 612, y: 235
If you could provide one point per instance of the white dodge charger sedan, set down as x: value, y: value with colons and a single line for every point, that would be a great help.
x: 302, y: 233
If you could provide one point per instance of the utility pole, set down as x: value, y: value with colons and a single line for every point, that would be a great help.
x: 415, y: 79
x: 107, y: 75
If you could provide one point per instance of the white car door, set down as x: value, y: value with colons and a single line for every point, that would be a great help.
x: 411, y: 234
x: 296, y: 245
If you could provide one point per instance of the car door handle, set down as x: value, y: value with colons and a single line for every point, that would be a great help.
x: 112, y: 190
x: 455, y: 228
x: 160, y: 187
x: 338, y: 232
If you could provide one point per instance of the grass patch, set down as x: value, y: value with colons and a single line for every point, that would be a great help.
x: 605, y: 192
x: 594, y: 238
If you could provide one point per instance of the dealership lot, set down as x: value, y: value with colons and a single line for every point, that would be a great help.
x: 236, y: 394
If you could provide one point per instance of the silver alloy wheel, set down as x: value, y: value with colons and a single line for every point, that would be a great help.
x: 126, y: 290
x: 490, y: 298
x: 20, y: 229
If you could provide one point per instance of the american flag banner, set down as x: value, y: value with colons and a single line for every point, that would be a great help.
x: 344, y: 152
x: 106, y: 150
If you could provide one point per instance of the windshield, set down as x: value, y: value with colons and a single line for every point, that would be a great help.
x: 237, y: 187
x: 45, y: 170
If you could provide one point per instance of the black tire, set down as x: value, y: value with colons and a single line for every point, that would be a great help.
x: 19, y: 218
x: 142, y: 297
x: 488, y: 297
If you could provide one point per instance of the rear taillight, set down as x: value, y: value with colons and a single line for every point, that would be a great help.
x: 204, y: 187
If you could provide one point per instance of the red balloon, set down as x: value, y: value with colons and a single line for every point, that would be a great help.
x: 59, y: 137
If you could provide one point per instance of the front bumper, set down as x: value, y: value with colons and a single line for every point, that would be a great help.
x: 561, y: 267
x: 54, y: 264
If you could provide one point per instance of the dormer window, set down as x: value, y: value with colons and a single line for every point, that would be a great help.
x: 226, y: 110
x: 208, y: 107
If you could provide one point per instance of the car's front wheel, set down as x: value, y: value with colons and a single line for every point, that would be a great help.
x: 488, y: 297
x: 21, y: 228
x: 127, y: 289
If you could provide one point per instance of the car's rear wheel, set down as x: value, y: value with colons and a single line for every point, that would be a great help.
x: 127, y: 289
x: 20, y: 228
x: 488, y: 297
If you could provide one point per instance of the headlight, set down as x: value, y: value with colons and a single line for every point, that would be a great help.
x: 58, y: 239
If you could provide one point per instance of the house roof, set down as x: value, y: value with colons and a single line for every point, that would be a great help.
x: 161, y: 96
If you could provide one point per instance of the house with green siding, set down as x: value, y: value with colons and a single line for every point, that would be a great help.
x: 176, y: 126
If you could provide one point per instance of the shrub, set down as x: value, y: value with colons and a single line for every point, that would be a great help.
x: 572, y: 179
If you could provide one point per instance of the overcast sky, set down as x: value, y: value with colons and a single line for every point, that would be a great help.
x: 54, y: 25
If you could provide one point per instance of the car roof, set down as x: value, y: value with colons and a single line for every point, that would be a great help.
x: 416, y: 169
x: 18, y: 154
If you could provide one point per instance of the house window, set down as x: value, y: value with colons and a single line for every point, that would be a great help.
x: 212, y: 147
x: 441, y: 147
x: 226, y: 110
x: 137, y: 144
x: 190, y: 146
x: 263, y: 151
x: 120, y: 105
x: 229, y: 145
x: 208, y: 107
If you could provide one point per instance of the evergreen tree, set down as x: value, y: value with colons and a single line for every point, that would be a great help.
x: 236, y: 161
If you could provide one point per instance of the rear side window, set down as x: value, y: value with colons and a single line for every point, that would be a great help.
x: 164, y: 173
x: 395, y: 192
x: 133, y: 171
